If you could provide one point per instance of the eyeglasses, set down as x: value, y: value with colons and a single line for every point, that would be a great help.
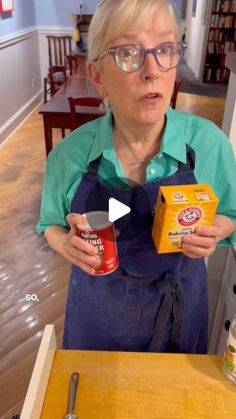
x: 131, y: 57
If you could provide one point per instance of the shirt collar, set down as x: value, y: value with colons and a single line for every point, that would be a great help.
x: 174, y: 139
x: 103, y: 139
x: 173, y: 142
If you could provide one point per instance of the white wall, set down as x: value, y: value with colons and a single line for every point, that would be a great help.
x: 20, y: 82
x: 196, y: 36
x: 24, y: 56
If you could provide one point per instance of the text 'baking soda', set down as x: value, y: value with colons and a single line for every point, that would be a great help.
x: 179, y: 211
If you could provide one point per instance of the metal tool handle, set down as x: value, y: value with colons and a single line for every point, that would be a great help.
x: 74, y: 379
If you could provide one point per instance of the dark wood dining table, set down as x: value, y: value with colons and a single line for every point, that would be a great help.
x: 56, y: 112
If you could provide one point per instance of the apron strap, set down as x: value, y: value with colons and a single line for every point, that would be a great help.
x: 190, y: 160
x: 93, y: 166
x: 171, y: 310
x: 172, y: 304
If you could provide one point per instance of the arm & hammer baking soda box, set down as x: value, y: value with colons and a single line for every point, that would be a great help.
x: 179, y: 211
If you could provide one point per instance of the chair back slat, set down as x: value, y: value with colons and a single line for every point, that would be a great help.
x: 50, y: 53
x: 61, y: 56
x: 55, y: 52
x: 85, y: 101
x: 58, y: 48
x: 92, y: 102
x: 70, y: 47
x: 72, y: 63
x: 178, y: 82
x: 64, y: 48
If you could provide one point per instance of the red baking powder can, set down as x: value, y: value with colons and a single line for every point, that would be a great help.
x: 99, y: 232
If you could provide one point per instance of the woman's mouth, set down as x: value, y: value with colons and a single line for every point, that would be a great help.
x: 151, y: 97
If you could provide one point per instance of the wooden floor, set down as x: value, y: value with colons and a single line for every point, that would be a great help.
x: 28, y: 268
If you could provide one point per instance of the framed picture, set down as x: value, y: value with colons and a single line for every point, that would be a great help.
x: 194, y: 8
x: 6, y: 6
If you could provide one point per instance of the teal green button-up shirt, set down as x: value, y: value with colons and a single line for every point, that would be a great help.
x: 68, y: 161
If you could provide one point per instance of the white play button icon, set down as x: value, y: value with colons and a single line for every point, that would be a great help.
x: 116, y: 209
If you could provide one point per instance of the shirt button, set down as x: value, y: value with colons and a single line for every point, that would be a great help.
x: 152, y: 171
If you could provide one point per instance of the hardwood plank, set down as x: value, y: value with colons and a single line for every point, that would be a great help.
x: 30, y: 344
x: 48, y: 311
x: 14, y: 410
x: 27, y: 264
x: 207, y: 107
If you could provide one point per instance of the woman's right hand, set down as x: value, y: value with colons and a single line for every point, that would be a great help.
x: 78, y: 251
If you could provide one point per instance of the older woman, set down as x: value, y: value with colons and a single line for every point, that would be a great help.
x: 151, y: 302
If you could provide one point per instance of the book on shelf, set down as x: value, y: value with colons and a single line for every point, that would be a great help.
x: 216, y: 35
x: 228, y: 46
x: 216, y: 75
x: 225, y: 6
x: 233, y: 6
x: 214, y: 20
x: 220, y: 47
x: 219, y: 35
x: 222, y: 21
x: 221, y: 40
x: 218, y: 2
x: 216, y: 6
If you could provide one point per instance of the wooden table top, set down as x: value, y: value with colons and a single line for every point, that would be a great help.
x: 123, y: 385
x: 75, y: 86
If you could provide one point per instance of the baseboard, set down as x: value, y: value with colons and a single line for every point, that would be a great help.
x: 16, y: 120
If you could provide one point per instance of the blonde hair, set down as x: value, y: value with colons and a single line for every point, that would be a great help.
x: 114, y: 17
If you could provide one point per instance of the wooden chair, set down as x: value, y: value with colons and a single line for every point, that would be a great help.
x: 56, y: 77
x: 91, y: 102
x: 177, y: 85
x: 58, y: 48
x: 72, y: 63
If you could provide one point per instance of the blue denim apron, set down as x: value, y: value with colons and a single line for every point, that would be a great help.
x: 152, y: 302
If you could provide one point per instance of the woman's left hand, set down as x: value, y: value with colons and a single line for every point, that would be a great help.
x: 203, y: 243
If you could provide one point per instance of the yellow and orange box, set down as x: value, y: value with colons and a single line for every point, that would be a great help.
x: 179, y: 211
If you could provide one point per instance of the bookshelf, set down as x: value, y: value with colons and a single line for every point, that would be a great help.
x: 221, y: 39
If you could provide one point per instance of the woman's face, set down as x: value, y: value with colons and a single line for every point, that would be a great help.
x: 141, y: 97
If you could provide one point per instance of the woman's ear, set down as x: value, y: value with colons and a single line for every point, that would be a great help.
x: 96, y: 78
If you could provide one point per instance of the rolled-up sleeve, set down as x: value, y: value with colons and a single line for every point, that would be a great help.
x: 53, y: 204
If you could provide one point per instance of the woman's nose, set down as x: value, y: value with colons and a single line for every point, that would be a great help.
x: 150, y: 68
